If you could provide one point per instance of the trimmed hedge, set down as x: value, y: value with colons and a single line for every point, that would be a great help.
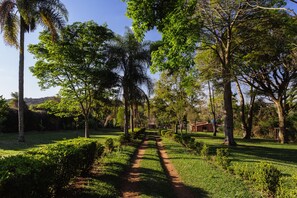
x: 42, y: 172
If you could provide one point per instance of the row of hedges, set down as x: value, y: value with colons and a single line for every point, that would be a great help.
x: 265, y: 177
x: 42, y: 172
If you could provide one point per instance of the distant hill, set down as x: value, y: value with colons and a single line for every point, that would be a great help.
x: 35, y: 101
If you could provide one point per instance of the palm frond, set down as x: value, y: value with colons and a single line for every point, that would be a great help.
x: 11, y: 30
x: 9, y: 22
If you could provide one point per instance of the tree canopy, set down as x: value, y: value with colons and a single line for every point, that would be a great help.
x: 77, y: 63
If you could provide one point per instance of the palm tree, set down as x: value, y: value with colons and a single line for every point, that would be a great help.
x: 133, y: 59
x: 21, y: 16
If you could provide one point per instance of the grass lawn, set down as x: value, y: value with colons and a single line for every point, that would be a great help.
x: 284, y: 156
x: 10, y: 146
x: 251, y: 152
x: 204, y: 179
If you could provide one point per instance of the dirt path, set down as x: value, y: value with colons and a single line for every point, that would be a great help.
x: 130, y: 188
x: 180, y: 189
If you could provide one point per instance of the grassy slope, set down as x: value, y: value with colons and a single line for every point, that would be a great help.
x: 202, y: 178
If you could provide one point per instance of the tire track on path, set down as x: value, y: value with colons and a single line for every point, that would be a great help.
x: 130, y: 188
x: 181, y: 191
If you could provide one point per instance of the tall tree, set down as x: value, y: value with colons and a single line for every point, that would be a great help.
x: 21, y: 16
x: 76, y: 62
x: 270, y: 60
x: 186, y: 25
x: 133, y: 60
x: 246, y: 117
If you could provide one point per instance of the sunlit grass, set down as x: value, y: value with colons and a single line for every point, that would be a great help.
x: 251, y: 152
x: 203, y: 178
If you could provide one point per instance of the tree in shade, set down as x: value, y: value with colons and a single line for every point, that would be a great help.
x: 20, y: 16
x: 133, y: 60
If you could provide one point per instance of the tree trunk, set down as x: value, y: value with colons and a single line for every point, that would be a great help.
x: 132, y: 119
x: 181, y: 126
x: 87, y: 135
x: 213, y: 110
x: 126, y: 112
x: 228, y: 109
x: 21, y: 137
x: 282, y: 122
x: 248, y: 133
x: 242, y: 111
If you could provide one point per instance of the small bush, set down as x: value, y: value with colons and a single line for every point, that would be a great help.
x: 109, y: 145
x: 124, y: 139
x: 43, y: 171
x: 204, y: 152
x: 169, y: 134
x: 177, y: 138
x: 198, y: 146
x: 287, y: 188
x: 138, y: 133
x: 243, y: 171
x: 222, y: 158
x: 163, y: 132
x: 267, y: 178
x: 187, y: 141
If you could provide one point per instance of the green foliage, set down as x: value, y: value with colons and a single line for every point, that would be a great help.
x: 25, y: 176
x: 76, y: 62
x: 123, y: 140
x: 204, y: 152
x: 267, y: 177
x: 3, y: 111
x: 243, y: 170
x: 121, y: 117
x: 287, y: 189
x: 109, y: 145
x: 137, y: 134
x: 222, y: 158
x: 46, y: 170
x: 163, y: 132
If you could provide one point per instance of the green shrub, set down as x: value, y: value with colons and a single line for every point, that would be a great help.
x: 198, y: 146
x: 43, y: 171
x: 138, y: 133
x: 25, y: 176
x: 163, y: 132
x: 169, y: 134
x: 123, y: 139
x: 287, y: 188
x: 222, y: 158
x: 267, y: 177
x: 204, y: 152
x: 186, y: 139
x: 109, y: 145
x: 177, y: 138
x: 243, y: 170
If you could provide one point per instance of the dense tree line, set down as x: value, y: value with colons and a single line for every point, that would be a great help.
x: 250, y: 41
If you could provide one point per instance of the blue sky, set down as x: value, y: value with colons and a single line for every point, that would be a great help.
x: 111, y: 12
